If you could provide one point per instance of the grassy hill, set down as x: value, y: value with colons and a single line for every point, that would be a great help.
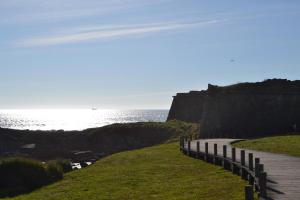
x: 159, y: 172
x: 289, y: 144
x: 100, y: 141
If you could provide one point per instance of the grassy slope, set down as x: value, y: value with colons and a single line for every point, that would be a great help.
x: 278, y: 144
x: 103, y: 140
x: 159, y: 172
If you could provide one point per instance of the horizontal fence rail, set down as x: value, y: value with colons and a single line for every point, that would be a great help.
x: 253, y: 172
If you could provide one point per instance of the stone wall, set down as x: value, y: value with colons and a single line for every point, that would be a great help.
x: 248, y: 110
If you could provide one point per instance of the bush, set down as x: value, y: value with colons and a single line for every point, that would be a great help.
x: 54, y: 170
x: 63, y: 163
x: 20, y: 175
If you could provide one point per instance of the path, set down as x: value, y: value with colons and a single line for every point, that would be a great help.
x: 283, y: 171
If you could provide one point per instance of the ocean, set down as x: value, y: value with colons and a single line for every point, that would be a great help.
x: 75, y: 119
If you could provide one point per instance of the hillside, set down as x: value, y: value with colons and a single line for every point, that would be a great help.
x: 91, y: 143
x: 159, y: 172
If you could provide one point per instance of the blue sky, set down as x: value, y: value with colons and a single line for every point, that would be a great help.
x: 124, y: 54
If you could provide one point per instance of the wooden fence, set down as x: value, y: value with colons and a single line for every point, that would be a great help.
x: 253, y: 171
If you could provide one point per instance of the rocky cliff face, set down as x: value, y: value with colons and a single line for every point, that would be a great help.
x: 248, y: 110
x: 187, y: 106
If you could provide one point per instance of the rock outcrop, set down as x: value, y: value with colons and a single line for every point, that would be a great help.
x: 247, y: 110
x: 187, y: 106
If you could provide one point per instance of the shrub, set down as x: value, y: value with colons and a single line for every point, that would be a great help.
x: 20, y: 175
x: 54, y: 171
x: 64, y: 164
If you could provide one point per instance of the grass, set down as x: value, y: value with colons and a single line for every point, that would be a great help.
x: 289, y: 145
x: 160, y: 172
x: 162, y: 131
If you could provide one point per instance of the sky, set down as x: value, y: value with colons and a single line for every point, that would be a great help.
x: 137, y: 54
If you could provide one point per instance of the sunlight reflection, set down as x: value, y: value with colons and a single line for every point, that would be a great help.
x: 76, y: 119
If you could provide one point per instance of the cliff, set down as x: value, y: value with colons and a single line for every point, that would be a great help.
x: 248, y: 110
x: 187, y: 106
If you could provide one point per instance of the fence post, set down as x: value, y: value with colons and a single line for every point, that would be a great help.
x: 198, y: 149
x: 189, y: 147
x: 243, y: 171
x: 224, y: 156
x: 181, y: 143
x: 215, y: 149
x: 256, y: 170
x: 233, y: 158
x: 249, y: 192
x: 215, y: 154
x: 224, y: 151
x: 233, y: 154
x: 262, y: 181
x: 250, y: 161
x: 243, y: 157
x: 261, y: 167
x: 206, y: 151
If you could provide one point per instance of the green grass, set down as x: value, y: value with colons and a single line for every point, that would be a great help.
x: 159, y: 172
x: 278, y: 144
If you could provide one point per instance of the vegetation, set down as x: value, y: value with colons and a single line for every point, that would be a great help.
x: 183, y: 128
x: 159, y: 172
x: 277, y: 144
x: 163, y: 131
x: 101, y: 141
x: 64, y: 164
x: 20, y: 175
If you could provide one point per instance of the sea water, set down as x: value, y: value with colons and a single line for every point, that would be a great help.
x: 75, y: 119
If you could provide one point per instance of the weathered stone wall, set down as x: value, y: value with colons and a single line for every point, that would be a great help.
x: 247, y: 115
x: 248, y: 110
x: 187, y: 106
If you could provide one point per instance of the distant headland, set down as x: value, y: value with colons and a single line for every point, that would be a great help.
x: 242, y: 110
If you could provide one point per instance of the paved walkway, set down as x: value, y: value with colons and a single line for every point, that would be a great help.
x: 283, y: 172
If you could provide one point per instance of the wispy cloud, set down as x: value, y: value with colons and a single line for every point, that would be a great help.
x: 102, y: 33
x: 21, y: 11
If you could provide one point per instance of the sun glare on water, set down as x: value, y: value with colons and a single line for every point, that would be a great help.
x: 74, y: 119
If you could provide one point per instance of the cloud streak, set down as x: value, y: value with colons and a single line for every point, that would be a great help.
x: 21, y: 11
x: 112, y: 32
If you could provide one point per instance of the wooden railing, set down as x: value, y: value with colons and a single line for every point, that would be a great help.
x: 253, y: 171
